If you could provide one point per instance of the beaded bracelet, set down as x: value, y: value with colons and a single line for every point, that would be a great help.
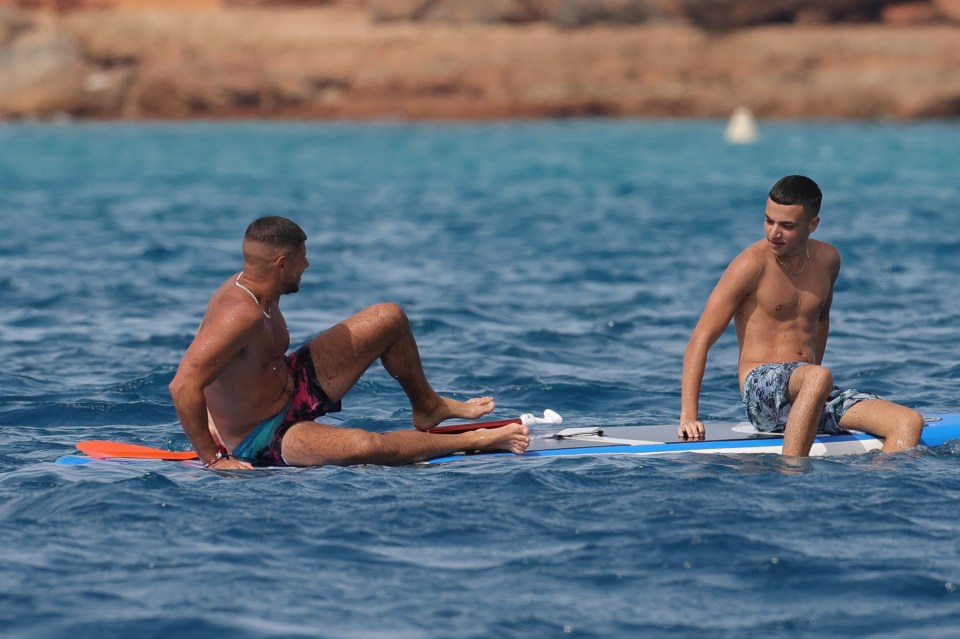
x: 222, y: 453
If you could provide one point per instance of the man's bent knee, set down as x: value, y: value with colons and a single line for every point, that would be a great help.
x: 389, y: 312
x: 913, y: 425
x: 820, y: 377
x: 813, y: 378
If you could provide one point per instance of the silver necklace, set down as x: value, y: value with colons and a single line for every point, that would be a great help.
x: 806, y: 258
x: 267, y: 313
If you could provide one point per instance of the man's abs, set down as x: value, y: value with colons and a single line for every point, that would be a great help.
x: 774, y: 345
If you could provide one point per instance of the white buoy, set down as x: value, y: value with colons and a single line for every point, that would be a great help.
x: 742, y: 129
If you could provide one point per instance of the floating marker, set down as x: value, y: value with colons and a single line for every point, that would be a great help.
x: 742, y: 129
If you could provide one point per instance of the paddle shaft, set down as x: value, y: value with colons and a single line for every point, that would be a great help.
x: 105, y: 449
x: 100, y: 449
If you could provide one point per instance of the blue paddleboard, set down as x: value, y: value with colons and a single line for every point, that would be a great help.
x: 723, y: 438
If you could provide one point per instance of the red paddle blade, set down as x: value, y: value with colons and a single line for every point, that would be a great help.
x: 105, y: 450
x: 463, y: 428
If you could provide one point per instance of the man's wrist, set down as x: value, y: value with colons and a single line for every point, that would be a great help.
x: 222, y: 453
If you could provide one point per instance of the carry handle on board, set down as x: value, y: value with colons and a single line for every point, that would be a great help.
x: 100, y: 449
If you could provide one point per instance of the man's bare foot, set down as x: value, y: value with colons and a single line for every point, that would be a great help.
x: 445, y: 408
x: 514, y: 438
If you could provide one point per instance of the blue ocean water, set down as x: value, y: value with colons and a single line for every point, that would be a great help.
x: 551, y: 264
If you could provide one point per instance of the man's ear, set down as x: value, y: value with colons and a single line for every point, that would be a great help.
x: 814, y: 223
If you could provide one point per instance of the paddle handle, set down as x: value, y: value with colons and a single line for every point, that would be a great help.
x: 549, y: 418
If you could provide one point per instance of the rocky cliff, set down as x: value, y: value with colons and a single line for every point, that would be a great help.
x: 470, y: 59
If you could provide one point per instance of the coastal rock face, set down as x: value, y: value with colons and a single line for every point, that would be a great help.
x: 713, y: 15
x: 725, y: 15
x: 337, y: 62
x: 40, y: 66
x: 948, y: 8
x: 566, y: 13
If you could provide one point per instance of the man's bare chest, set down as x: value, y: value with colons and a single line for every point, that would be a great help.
x: 781, y: 299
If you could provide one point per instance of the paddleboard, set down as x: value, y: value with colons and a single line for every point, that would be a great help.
x: 721, y: 438
x: 81, y: 460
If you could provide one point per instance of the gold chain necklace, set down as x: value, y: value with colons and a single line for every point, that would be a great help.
x: 806, y: 250
x: 267, y: 313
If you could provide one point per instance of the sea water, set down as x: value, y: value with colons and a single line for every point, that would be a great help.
x: 551, y: 264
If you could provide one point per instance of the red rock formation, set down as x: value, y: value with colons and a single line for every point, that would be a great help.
x: 713, y: 15
x: 949, y: 9
x: 334, y: 62
x: 910, y: 13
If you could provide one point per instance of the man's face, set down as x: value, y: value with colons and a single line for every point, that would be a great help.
x: 787, y: 227
x: 295, y: 264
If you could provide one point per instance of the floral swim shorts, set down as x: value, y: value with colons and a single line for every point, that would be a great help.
x: 765, y: 399
x: 262, y: 447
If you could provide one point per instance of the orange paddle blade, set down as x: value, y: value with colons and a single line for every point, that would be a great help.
x: 105, y: 450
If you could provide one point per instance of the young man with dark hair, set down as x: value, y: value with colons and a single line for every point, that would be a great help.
x: 778, y: 292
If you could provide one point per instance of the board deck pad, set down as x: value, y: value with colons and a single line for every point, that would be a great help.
x: 663, y: 434
x: 721, y: 438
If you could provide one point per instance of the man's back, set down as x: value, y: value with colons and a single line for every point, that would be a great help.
x: 254, y: 383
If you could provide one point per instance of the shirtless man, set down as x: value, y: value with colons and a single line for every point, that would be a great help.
x: 778, y: 292
x: 242, y: 402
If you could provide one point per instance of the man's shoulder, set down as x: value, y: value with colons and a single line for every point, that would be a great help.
x: 746, y: 269
x: 229, y: 310
x: 825, y: 252
x: 752, y: 256
x: 826, y: 247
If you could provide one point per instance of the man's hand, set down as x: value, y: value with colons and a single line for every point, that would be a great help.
x: 691, y: 429
x: 230, y: 463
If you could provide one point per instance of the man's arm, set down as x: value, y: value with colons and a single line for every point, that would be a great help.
x: 737, y: 281
x: 216, y: 344
x: 823, y: 324
x: 823, y: 329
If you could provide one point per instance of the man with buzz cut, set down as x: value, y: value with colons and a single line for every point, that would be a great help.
x: 244, y: 402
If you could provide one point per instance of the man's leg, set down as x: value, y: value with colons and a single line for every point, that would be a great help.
x: 807, y: 390
x: 343, y: 353
x: 313, y: 444
x: 899, y: 426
